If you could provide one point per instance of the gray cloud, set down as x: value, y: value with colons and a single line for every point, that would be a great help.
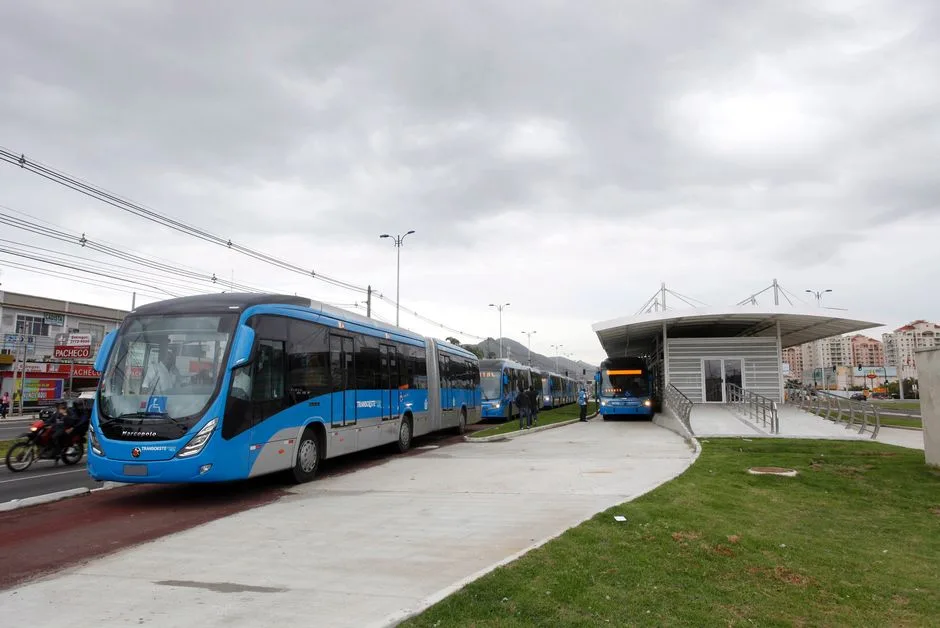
x: 736, y: 127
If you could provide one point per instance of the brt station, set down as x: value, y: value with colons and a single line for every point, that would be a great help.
x: 721, y: 355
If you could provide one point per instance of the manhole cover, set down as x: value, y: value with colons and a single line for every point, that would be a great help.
x: 790, y: 473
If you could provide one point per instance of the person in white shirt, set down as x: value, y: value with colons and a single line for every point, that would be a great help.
x: 163, y: 376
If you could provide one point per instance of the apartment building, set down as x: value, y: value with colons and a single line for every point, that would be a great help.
x: 867, y: 351
x: 793, y: 357
x: 900, y: 345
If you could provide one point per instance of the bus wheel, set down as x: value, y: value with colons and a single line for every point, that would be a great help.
x: 462, y: 423
x: 308, y: 458
x: 404, y: 435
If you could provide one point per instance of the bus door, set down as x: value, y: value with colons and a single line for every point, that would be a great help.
x: 447, y: 389
x: 343, y: 381
x: 388, y: 381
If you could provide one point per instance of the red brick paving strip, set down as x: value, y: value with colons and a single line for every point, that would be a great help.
x: 41, y: 539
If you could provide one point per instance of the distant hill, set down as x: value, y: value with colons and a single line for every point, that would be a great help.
x: 517, y: 351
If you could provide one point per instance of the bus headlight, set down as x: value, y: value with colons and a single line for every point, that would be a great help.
x: 94, y: 444
x: 198, y: 442
x: 647, y: 403
x: 496, y: 406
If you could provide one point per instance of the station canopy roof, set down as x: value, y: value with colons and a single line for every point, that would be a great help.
x: 636, y: 335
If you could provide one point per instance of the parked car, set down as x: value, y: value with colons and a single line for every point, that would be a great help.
x: 859, y: 397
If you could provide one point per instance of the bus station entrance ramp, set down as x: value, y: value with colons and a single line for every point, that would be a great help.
x: 721, y: 420
x: 370, y: 547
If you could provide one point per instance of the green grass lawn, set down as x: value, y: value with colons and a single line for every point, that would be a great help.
x: 5, y: 447
x: 546, y: 417
x: 897, y: 405
x: 854, y: 540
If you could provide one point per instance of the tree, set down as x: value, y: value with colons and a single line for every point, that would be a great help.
x: 452, y: 341
x: 477, y: 351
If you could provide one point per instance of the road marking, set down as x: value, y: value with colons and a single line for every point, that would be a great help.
x: 44, y: 475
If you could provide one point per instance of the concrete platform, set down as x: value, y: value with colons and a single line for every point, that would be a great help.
x: 716, y: 420
x: 366, y: 548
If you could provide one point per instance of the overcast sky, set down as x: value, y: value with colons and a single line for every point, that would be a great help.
x: 565, y: 157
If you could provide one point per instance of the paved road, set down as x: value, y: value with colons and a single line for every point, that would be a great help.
x: 11, y: 428
x: 43, y: 478
x: 31, y: 542
x: 355, y: 549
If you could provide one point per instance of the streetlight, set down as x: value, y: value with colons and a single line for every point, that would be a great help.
x: 500, y: 308
x: 398, y: 239
x: 557, y: 351
x: 818, y: 295
x: 529, y: 334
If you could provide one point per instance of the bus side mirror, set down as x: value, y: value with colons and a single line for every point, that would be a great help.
x: 243, y: 347
x: 505, y: 378
x: 101, y: 359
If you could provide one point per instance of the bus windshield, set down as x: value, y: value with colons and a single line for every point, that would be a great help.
x: 624, y: 385
x: 165, y: 366
x: 491, y: 384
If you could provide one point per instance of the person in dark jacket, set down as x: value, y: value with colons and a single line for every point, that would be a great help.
x: 522, y: 402
x: 533, y: 404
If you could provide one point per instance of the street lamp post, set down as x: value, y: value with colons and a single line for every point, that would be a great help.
x: 500, y: 308
x: 818, y: 294
x: 557, y: 351
x: 529, y: 345
x: 398, y: 240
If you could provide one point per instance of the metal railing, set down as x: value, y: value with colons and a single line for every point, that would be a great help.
x: 680, y: 405
x: 837, y: 409
x: 757, y: 407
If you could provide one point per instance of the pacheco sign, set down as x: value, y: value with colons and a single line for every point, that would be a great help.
x: 74, y: 347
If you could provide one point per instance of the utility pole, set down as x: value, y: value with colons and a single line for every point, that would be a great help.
x: 500, y: 308
x: 776, y: 293
x: 133, y: 300
x: 529, y: 345
x: 369, y: 301
x: 398, y: 240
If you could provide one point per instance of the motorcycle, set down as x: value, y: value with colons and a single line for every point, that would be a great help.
x: 37, y: 444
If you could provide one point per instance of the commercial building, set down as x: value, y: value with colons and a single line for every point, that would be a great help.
x: 53, y: 342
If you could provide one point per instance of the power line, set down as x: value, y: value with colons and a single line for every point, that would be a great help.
x: 84, y: 242
x: 151, y: 215
x: 140, y: 211
x: 77, y: 278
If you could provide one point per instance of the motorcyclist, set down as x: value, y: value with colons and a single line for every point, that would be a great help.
x: 65, y: 422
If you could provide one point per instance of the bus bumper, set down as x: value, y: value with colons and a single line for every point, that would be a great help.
x: 199, y: 468
x: 492, y: 412
x: 637, y: 410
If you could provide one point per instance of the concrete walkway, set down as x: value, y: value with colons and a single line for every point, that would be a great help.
x: 714, y: 420
x: 364, y: 549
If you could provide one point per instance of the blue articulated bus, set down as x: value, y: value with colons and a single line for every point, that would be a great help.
x: 500, y: 380
x: 229, y: 386
x: 626, y: 388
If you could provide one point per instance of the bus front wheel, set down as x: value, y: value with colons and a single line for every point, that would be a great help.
x: 307, y: 461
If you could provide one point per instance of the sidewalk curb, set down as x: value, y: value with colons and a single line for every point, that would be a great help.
x: 517, y: 433
x: 48, y: 498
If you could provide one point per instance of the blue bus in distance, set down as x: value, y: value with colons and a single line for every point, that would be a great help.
x: 626, y: 388
x: 224, y: 387
x: 500, y: 379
